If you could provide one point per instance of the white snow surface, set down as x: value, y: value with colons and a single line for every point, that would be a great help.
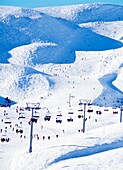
x: 58, y: 57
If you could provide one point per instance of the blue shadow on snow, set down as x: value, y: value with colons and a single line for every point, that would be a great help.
x: 89, y: 151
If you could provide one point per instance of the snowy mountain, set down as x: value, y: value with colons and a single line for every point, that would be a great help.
x: 60, y: 57
x: 41, y: 46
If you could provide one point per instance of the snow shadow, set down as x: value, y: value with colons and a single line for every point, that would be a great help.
x: 2, y: 101
x: 99, y: 13
x: 4, y: 57
x: 121, y: 65
x: 89, y: 151
x: 51, y: 82
x: 110, y: 93
x: 107, y: 80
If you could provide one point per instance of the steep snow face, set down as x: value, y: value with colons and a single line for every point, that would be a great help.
x: 46, y: 44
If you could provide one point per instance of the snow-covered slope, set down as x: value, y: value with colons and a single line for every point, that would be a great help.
x: 61, y: 57
x: 86, y: 13
x: 76, y: 152
x: 48, y: 41
x: 61, y: 145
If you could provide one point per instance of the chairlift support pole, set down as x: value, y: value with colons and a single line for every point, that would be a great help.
x: 120, y: 100
x: 33, y: 107
x: 121, y: 113
x: 84, y: 117
x: 31, y: 134
x: 84, y: 102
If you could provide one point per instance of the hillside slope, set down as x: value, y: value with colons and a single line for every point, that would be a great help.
x: 86, y: 13
x: 45, y: 42
x: 67, y: 62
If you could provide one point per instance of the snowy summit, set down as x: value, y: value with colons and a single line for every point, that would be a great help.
x: 64, y: 58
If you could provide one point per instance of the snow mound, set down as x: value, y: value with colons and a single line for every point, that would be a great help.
x: 20, y: 82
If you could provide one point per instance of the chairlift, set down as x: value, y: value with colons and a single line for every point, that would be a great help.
x: 80, y: 110
x: 80, y: 116
x: 58, y: 120
x: 47, y: 118
x: 19, y: 130
x: 34, y: 119
x: 36, y: 114
x: 90, y: 110
x: 21, y: 113
x: 70, y: 112
x: 59, y: 115
x: 22, y: 116
x: 70, y: 119
x: 98, y: 112
x: 115, y: 112
x: 4, y: 138
x: 7, y: 121
x: 106, y: 109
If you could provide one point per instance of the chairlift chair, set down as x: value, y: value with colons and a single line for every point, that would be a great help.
x: 47, y: 118
x: 70, y: 119
x: 58, y: 121
x: 7, y: 121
